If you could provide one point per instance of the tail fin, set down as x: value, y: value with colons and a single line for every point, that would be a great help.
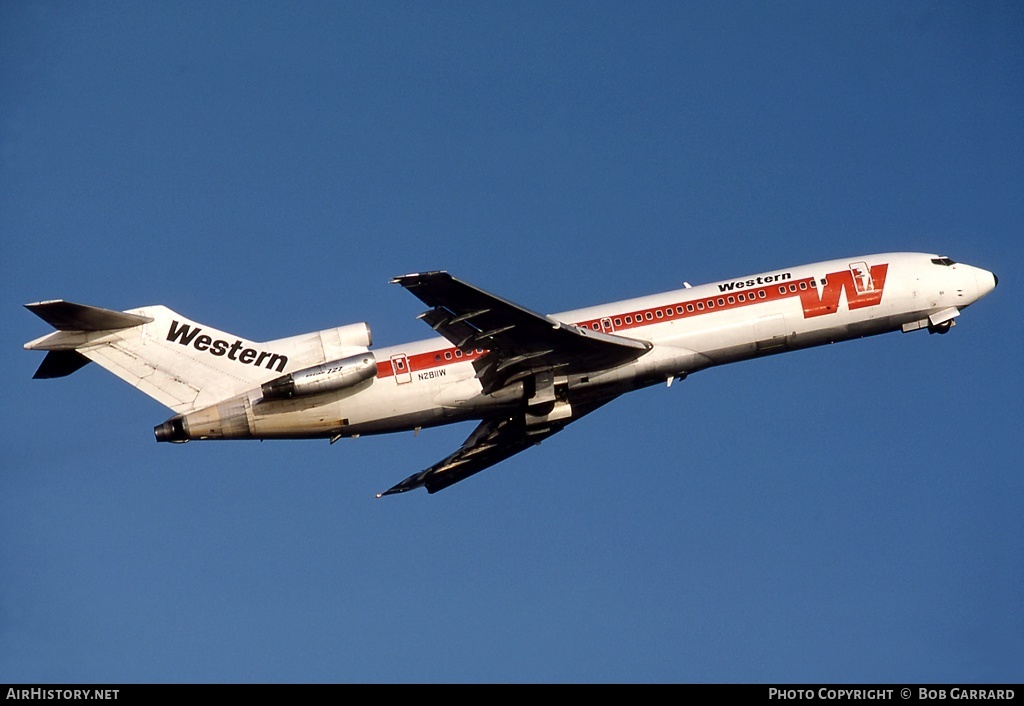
x: 181, y: 364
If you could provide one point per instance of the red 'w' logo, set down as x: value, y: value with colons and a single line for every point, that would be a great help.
x: 863, y: 287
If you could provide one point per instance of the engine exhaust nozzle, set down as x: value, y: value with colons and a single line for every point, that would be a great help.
x: 172, y: 430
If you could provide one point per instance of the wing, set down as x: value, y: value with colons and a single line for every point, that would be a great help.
x: 519, y: 342
x: 493, y: 440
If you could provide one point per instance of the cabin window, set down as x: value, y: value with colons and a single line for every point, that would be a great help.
x: 700, y: 305
x: 447, y: 355
x: 721, y: 302
x: 792, y: 287
x: 629, y: 319
x: 458, y: 354
x: 732, y: 300
x: 803, y: 285
x: 649, y: 316
x: 618, y: 322
x: 761, y: 294
x: 711, y: 303
x: 782, y: 290
x: 436, y: 357
x: 659, y: 313
x: 689, y: 307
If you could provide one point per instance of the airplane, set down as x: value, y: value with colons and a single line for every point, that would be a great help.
x: 523, y: 376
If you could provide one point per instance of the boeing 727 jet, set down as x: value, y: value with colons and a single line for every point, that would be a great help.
x: 523, y: 376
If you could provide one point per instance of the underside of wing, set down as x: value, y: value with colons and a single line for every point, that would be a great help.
x: 519, y: 342
x: 493, y: 440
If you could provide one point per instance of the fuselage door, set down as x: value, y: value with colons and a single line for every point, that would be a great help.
x: 606, y: 325
x: 400, y: 365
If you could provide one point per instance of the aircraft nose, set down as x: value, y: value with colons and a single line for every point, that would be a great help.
x: 986, y: 281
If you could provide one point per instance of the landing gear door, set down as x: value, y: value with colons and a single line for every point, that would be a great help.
x: 400, y: 365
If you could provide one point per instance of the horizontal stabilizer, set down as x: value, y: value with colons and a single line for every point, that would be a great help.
x: 68, y: 316
x: 58, y: 364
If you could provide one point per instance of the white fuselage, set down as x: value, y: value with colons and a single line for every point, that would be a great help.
x: 430, y: 382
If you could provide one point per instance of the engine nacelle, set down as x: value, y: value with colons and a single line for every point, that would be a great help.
x: 335, y: 375
x: 351, y: 336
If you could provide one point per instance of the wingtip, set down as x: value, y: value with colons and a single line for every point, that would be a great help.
x: 413, y: 277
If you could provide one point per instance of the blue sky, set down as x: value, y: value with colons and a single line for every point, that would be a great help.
x: 842, y: 514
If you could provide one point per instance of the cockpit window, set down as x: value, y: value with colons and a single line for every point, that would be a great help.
x: 944, y: 261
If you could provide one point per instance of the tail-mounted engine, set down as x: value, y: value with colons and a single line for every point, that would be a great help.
x: 327, y: 377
